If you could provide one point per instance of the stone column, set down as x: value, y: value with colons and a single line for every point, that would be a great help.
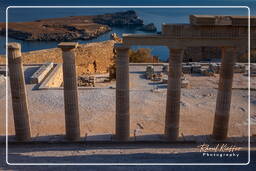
x: 70, y: 90
x: 220, y: 129
x: 173, y: 94
x: 18, y: 91
x: 122, y: 93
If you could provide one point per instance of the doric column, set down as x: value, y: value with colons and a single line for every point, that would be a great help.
x: 122, y: 93
x: 18, y: 91
x: 70, y: 90
x: 173, y: 94
x: 220, y: 129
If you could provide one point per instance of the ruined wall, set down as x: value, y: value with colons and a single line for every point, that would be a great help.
x: 91, y: 57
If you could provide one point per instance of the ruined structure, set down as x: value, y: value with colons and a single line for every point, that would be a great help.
x: 70, y: 90
x: 100, y: 53
x: 230, y: 33
x: 18, y: 91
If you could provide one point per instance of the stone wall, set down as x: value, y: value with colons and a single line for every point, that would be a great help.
x: 91, y: 58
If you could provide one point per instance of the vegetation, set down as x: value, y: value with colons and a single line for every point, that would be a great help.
x: 142, y: 55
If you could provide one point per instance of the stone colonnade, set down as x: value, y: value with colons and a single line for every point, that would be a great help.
x: 172, y: 116
x: 20, y: 108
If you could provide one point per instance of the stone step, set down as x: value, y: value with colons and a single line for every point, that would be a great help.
x: 41, y: 73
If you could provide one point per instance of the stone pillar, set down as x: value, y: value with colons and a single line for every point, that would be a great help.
x: 18, y: 91
x: 173, y: 94
x: 220, y: 129
x: 122, y: 93
x: 70, y: 90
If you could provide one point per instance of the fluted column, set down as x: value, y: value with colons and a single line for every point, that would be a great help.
x: 122, y: 93
x: 173, y: 94
x: 220, y: 129
x: 18, y: 91
x: 70, y: 90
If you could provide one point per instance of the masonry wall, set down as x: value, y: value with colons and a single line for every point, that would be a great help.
x: 91, y: 57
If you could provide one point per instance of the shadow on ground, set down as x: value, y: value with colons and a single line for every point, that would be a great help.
x: 142, y: 153
x: 74, y: 155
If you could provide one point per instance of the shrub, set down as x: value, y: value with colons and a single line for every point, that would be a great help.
x: 142, y: 55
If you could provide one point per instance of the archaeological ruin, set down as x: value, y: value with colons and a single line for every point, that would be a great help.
x: 229, y: 33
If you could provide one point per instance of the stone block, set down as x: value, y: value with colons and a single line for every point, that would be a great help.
x: 55, y: 78
x: 41, y: 73
x: 239, y: 68
x: 214, y: 67
x: 196, y: 68
x: 3, y: 70
x: 186, y: 69
x: 184, y: 83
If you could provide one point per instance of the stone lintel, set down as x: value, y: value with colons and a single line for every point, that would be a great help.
x: 14, y: 45
x: 68, y: 45
x: 223, y: 20
x: 182, y: 42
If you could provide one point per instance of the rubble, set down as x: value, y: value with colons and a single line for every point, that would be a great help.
x: 165, y: 69
x: 86, y: 81
x: 196, y: 68
x: 184, y: 82
x: 149, y: 72
x: 41, y: 73
x: 2, y: 70
x: 206, y: 71
x: 239, y: 68
x: 187, y: 69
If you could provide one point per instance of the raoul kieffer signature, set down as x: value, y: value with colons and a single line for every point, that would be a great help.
x: 219, y: 148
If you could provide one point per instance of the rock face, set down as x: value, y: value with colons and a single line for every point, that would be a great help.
x: 128, y: 18
x: 70, y: 28
x: 148, y: 28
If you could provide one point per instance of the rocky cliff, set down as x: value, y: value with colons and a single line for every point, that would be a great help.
x: 70, y: 28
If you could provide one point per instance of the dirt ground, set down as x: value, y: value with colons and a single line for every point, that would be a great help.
x: 147, y: 108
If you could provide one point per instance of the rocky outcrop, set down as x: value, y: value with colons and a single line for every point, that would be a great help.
x: 128, y: 18
x: 63, y: 29
x: 148, y: 28
x: 70, y: 28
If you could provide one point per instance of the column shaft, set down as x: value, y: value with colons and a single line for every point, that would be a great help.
x: 122, y: 94
x: 70, y: 95
x: 220, y: 129
x: 18, y: 91
x: 173, y: 94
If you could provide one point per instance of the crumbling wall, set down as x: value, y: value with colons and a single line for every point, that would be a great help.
x: 90, y: 58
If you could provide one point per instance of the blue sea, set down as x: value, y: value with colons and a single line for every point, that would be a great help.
x: 156, y: 15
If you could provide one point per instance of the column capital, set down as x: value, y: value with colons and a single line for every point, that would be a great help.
x: 14, y: 46
x: 68, y: 45
x: 14, y: 51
